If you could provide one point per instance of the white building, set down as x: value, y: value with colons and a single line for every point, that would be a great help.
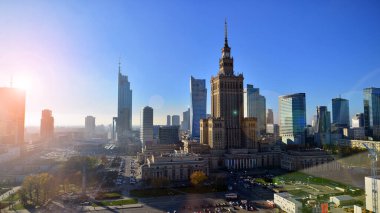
x: 287, y: 203
x: 369, y: 193
x: 146, y: 128
x: 342, y: 200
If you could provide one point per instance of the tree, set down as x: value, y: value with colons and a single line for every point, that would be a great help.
x: 197, y: 178
x: 37, y: 189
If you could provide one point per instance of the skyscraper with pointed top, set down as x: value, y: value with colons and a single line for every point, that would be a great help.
x: 227, y: 128
x: 124, y: 107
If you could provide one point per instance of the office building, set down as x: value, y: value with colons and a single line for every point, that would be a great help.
x: 358, y: 120
x: 185, y: 124
x: 168, y: 120
x: 198, y: 105
x: 47, y: 125
x: 372, y: 190
x: 340, y: 112
x: 270, y: 118
x: 287, y: 203
x: 323, y: 126
x: 372, y: 112
x: 12, y: 116
x: 292, y: 111
x: 175, y: 120
x: 168, y: 134
x: 124, y: 111
x: 89, y: 126
x: 255, y: 107
x: 146, y: 126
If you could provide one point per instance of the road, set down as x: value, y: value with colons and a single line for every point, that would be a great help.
x: 8, y: 193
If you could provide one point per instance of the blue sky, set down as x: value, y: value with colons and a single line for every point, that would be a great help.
x: 70, y: 50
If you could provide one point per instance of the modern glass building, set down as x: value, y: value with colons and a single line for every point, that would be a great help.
x: 340, y: 112
x: 124, y: 107
x: 255, y: 106
x: 371, y: 111
x: 292, y: 115
x: 198, y: 96
x: 323, y: 126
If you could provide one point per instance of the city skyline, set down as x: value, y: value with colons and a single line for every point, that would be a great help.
x: 260, y: 54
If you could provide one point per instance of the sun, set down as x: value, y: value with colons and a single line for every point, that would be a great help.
x: 22, y: 82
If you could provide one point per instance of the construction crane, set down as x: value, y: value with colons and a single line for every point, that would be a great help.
x: 373, y: 155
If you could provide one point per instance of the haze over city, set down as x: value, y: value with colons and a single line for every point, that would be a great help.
x: 66, y: 53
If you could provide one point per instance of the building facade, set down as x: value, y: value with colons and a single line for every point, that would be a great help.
x: 255, y: 106
x: 340, y: 112
x: 270, y: 118
x: 185, y: 125
x: 89, y: 126
x: 124, y: 107
x: 198, y: 105
x: 372, y: 189
x: 175, y: 120
x: 372, y: 111
x: 12, y: 116
x: 168, y: 120
x: 47, y: 125
x: 358, y: 120
x: 292, y: 115
x: 323, y: 126
x: 287, y: 203
x: 146, y: 126
x: 168, y: 134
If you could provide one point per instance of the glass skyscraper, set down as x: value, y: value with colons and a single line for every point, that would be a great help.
x: 198, y: 95
x: 255, y: 106
x: 124, y: 110
x: 372, y: 111
x: 340, y: 112
x: 323, y: 126
x: 292, y: 110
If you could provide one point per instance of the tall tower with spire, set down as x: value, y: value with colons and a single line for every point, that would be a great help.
x: 124, y: 106
x: 225, y: 124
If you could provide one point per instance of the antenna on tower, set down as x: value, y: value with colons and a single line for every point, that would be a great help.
x: 225, y: 31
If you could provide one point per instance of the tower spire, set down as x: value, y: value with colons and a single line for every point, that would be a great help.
x: 119, y: 65
x: 225, y: 33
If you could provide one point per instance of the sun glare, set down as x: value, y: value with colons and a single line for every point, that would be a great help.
x: 22, y: 82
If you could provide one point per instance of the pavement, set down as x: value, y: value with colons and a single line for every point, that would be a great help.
x: 8, y: 193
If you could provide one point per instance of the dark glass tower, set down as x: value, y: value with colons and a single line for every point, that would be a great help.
x: 124, y: 107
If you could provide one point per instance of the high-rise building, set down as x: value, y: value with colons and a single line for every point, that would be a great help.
x: 124, y: 111
x: 270, y: 119
x: 12, y: 116
x: 340, y: 112
x: 292, y: 114
x: 175, y: 120
x: 255, y: 106
x: 227, y: 128
x: 168, y: 134
x: 198, y: 105
x: 372, y: 189
x: 323, y: 126
x: 146, y: 126
x: 185, y: 125
x: 372, y: 112
x: 358, y: 120
x: 89, y: 126
x: 168, y: 120
x: 47, y: 125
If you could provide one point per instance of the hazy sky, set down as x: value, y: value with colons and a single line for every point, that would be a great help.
x: 66, y: 52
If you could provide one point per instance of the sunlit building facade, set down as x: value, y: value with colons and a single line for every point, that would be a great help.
x: 292, y: 115
x: 12, y: 116
x: 146, y: 128
x: 89, y: 126
x: 372, y: 112
x: 255, y: 107
x: 124, y: 111
x: 47, y: 125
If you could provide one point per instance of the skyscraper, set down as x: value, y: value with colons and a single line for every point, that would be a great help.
x: 255, y: 106
x: 270, y: 119
x: 47, y: 125
x: 227, y: 128
x: 12, y: 116
x: 372, y: 112
x: 323, y: 126
x: 168, y: 120
x: 89, y: 126
x: 340, y: 112
x: 146, y: 125
x: 168, y: 134
x: 175, y: 120
x: 292, y: 110
x: 198, y: 105
x: 124, y: 111
x: 185, y: 125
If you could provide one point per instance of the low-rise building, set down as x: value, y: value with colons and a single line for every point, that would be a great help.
x: 370, y: 184
x: 176, y: 166
x: 359, y: 143
x: 342, y: 200
x: 308, y: 159
x: 287, y: 203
